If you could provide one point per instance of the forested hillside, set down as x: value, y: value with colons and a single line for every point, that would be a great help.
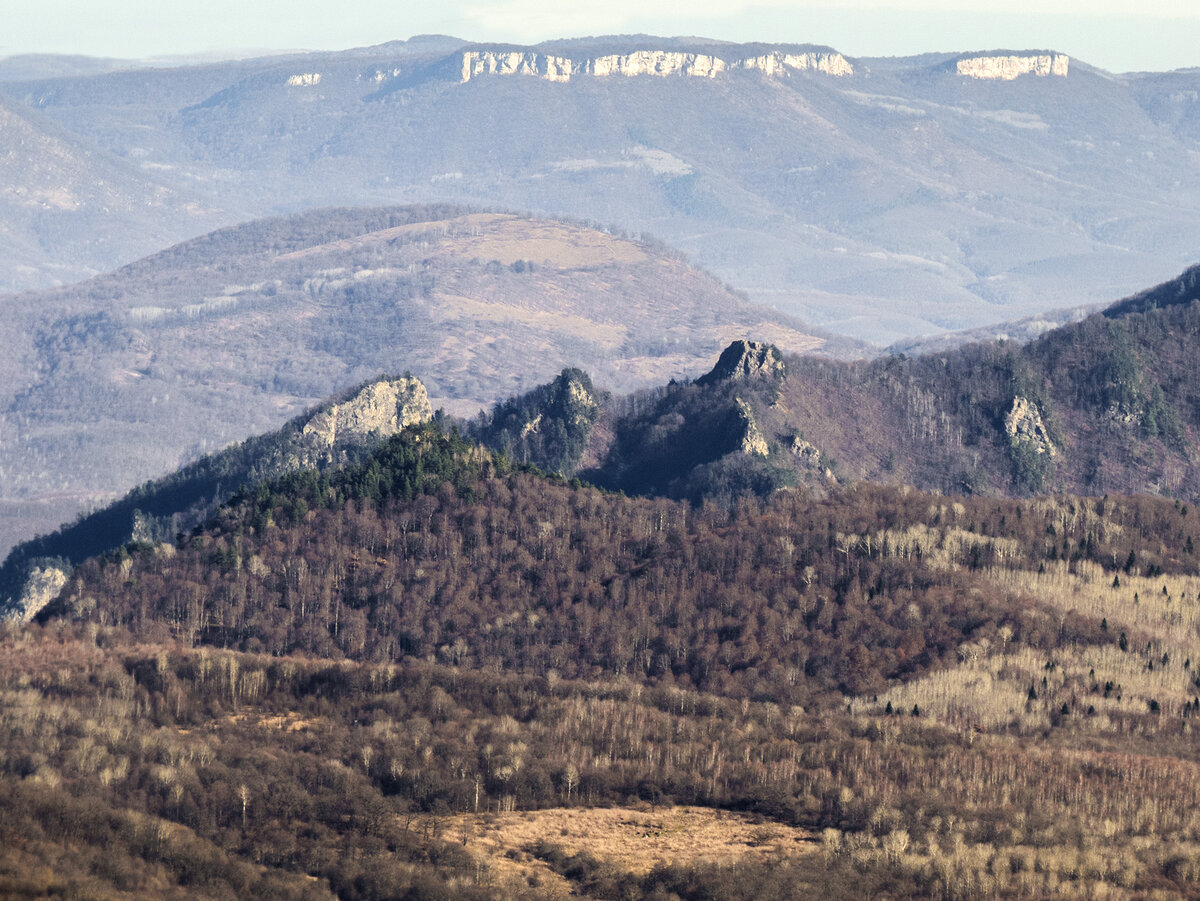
x: 1104, y: 405
x: 130, y: 375
x: 949, y: 697
x: 1110, y: 404
x: 341, y: 430
x: 412, y: 665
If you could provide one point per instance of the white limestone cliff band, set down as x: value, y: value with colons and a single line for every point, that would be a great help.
x: 661, y: 63
x: 1009, y: 68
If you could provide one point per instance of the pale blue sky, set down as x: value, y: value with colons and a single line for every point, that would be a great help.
x: 1118, y: 35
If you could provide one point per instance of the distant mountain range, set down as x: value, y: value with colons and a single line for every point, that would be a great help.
x: 884, y: 199
x: 69, y: 209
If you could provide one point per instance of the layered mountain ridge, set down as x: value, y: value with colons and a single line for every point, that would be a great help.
x: 1104, y: 406
x: 897, y: 198
x: 127, y: 376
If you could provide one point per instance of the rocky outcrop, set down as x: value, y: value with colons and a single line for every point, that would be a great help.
x: 550, y: 426
x: 1123, y: 414
x: 1008, y: 68
x: 478, y: 63
x: 42, y: 586
x: 810, y: 459
x: 754, y: 442
x: 1023, y: 424
x: 382, y: 408
x: 581, y: 403
x: 305, y: 80
x: 746, y: 360
x: 661, y: 63
x: 656, y: 62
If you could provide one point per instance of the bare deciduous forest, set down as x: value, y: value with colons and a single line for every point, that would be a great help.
x: 953, y: 698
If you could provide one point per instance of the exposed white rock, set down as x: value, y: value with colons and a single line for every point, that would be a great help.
x: 753, y: 440
x: 809, y: 456
x: 1008, y: 68
x: 1024, y: 423
x: 657, y: 62
x: 806, y: 452
x: 383, y: 408
x: 305, y: 80
x: 661, y: 63
x: 582, y: 402
x: 42, y: 585
x: 780, y: 63
x: 489, y: 63
x: 558, y: 68
x: 532, y: 426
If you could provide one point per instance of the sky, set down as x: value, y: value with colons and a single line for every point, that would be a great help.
x: 1117, y: 35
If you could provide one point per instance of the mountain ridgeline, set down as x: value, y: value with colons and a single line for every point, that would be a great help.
x: 685, y: 612
x: 878, y: 198
x: 338, y: 432
x: 125, y: 377
x: 431, y: 546
x: 1103, y: 406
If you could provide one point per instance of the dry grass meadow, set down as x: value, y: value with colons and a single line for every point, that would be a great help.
x: 630, y: 839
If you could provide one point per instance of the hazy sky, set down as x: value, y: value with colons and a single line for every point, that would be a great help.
x: 1119, y: 35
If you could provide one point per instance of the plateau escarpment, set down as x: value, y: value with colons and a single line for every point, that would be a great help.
x: 1011, y: 67
x: 662, y: 63
x: 881, y: 199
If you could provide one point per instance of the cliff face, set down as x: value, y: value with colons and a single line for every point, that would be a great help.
x: 383, y: 408
x: 746, y: 360
x: 41, y: 587
x: 754, y: 442
x: 662, y: 63
x: 1023, y: 423
x: 1008, y: 68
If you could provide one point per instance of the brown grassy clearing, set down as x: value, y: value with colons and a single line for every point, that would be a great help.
x: 631, y: 839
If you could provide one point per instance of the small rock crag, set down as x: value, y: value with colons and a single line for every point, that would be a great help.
x: 753, y: 440
x: 382, y: 408
x: 809, y: 456
x: 42, y: 586
x: 1023, y: 423
x: 746, y: 360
